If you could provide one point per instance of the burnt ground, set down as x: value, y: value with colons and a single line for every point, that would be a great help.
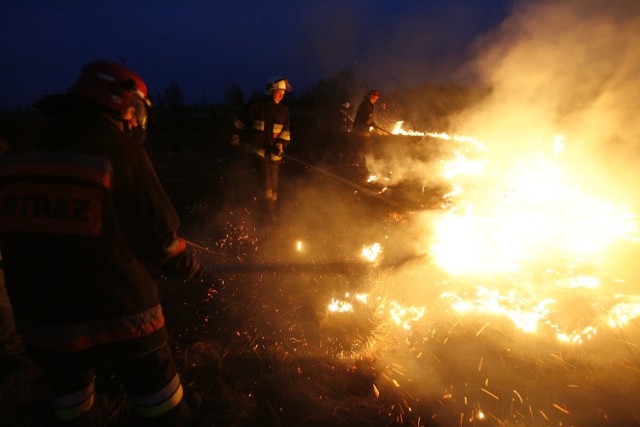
x: 256, y: 344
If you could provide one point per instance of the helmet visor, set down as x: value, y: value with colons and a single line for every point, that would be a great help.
x: 140, y: 115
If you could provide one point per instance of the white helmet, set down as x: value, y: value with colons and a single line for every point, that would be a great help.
x: 278, y: 83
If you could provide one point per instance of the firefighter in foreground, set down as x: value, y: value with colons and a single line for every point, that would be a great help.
x: 262, y: 129
x: 12, y: 352
x: 82, y: 216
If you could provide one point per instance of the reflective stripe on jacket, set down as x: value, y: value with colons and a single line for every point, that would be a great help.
x: 264, y: 123
x: 82, y: 336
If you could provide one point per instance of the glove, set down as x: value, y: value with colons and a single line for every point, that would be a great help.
x: 235, y: 140
x: 277, y: 151
x: 183, y: 265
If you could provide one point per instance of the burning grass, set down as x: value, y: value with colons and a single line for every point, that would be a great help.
x: 391, y: 340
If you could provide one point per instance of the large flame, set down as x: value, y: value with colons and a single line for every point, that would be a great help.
x: 529, y: 211
x: 530, y: 222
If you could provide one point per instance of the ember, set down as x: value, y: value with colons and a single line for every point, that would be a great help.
x: 508, y: 290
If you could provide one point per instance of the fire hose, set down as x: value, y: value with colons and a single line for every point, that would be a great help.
x: 341, y: 179
x: 352, y: 120
x: 382, y: 129
x: 344, y: 113
x: 332, y: 175
x: 298, y: 267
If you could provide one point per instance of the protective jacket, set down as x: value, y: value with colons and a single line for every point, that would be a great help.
x: 81, y: 217
x: 262, y: 123
x: 363, y: 120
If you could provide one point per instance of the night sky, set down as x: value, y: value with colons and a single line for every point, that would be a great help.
x: 208, y: 46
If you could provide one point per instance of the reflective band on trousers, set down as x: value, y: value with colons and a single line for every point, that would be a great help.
x: 75, y: 404
x: 161, y: 402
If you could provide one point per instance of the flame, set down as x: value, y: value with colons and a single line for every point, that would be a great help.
x: 524, y: 315
x: 363, y: 298
x: 404, y: 316
x: 538, y: 213
x: 346, y: 306
x: 624, y: 312
x: 371, y: 253
x: 528, y: 221
x: 338, y: 306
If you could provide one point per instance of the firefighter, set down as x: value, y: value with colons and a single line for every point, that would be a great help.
x: 82, y: 218
x: 12, y: 352
x: 345, y: 119
x: 363, y: 123
x: 262, y: 129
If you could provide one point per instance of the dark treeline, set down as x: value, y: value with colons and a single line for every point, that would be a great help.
x: 427, y: 107
x: 315, y: 113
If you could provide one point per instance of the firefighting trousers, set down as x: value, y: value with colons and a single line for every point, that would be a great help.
x: 267, y: 171
x: 151, y: 382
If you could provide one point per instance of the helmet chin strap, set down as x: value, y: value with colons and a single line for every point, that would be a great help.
x: 137, y: 134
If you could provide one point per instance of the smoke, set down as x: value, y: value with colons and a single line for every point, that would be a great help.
x: 390, y: 44
x: 559, y: 125
x: 569, y: 67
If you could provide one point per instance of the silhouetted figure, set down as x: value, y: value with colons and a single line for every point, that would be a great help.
x: 83, y: 215
x: 363, y: 124
x: 262, y: 129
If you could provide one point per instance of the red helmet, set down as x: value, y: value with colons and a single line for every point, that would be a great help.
x: 112, y: 85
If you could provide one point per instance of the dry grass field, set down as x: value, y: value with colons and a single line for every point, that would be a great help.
x: 267, y: 338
